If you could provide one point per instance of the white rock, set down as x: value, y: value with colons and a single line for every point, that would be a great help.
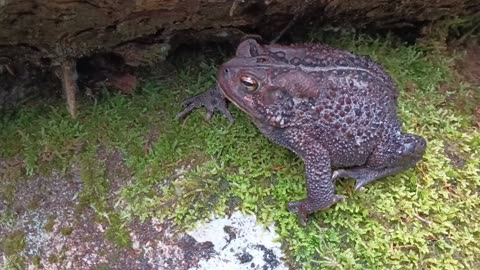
x: 238, y: 239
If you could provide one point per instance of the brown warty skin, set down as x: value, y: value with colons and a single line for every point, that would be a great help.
x: 334, y: 109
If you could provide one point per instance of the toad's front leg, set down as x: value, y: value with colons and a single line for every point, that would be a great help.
x: 213, y: 100
x: 320, y: 187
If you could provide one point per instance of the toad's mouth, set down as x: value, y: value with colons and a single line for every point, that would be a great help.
x: 243, y: 102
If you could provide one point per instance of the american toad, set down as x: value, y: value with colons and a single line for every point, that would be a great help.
x: 334, y: 109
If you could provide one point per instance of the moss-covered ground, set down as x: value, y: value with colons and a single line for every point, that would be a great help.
x: 423, y: 218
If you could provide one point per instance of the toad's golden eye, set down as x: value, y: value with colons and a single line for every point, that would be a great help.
x: 250, y: 83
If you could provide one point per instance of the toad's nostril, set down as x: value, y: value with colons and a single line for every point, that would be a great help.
x: 227, y: 73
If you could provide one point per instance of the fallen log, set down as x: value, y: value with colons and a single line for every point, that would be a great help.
x: 46, y: 32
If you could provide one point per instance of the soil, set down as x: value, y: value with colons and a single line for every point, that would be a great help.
x: 468, y: 68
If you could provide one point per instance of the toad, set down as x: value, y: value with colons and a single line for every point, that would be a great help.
x: 334, y: 109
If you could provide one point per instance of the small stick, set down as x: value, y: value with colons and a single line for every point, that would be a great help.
x: 69, y: 83
x: 423, y: 220
x: 405, y: 247
x: 285, y: 29
x: 300, y: 12
x: 234, y: 6
x: 10, y: 69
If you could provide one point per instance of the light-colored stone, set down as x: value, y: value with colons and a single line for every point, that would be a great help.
x: 239, y: 237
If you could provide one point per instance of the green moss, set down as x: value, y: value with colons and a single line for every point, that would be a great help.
x: 102, y: 266
x: 94, y: 194
x: 53, y: 259
x: 7, y: 194
x: 13, y: 246
x: 37, y: 261
x: 94, y: 185
x: 14, y: 243
x: 117, y: 233
x: 66, y: 231
x: 50, y: 223
x: 34, y: 204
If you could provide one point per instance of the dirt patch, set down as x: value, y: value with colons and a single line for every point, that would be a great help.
x: 151, y: 139
x: 469, y: 66
x: 476, y: 117
x: 468, y: 69
x: 116, y: 171
x: 52, y: 233
x: 455, y: 155
x: 163, y: 247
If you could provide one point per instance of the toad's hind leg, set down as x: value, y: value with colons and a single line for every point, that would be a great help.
x: 320, y: 189
x: 395, y: 155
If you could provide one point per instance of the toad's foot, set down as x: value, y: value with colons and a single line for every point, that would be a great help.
x: 309, y: 205
x: 362, y: 176
x: 213, y: 100
x: 394, y: 156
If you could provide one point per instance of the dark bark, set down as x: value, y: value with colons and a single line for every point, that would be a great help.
x: 56, y: 29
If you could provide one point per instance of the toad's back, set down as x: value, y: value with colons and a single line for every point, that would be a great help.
x: 356, y: 103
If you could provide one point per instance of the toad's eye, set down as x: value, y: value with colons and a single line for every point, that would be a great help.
x: 250, y: 83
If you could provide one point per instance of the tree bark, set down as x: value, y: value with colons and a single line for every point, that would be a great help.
x: 45, y: 30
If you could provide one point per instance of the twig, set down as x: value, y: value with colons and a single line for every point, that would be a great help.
x: 466, y: 35
x: 10, y: 69
x: 234, y: 6
x: 300, y: 12
x: 405, y: 247
x: 285, y: 29
x: 422, y: 219
x: 69, y: 84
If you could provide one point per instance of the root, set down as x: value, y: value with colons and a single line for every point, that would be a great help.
x: 69, y: 84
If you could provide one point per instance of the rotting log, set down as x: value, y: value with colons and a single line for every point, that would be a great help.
x: 45, y: 32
